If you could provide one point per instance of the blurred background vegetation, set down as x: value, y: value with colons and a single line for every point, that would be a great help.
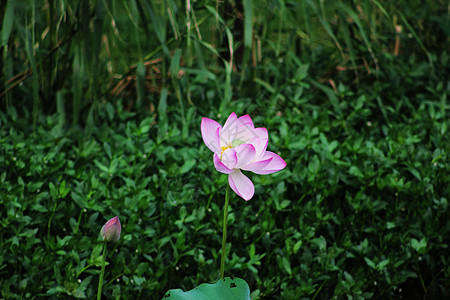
x: 100, y: 109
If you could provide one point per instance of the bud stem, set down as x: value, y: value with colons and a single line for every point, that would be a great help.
x: 102, y: 273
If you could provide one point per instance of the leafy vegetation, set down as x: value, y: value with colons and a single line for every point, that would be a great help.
x: 100, y: 116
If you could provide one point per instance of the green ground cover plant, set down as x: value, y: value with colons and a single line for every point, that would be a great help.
x: 101, y: 106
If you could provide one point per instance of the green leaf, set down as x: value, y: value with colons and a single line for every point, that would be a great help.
x: 390, y: 225
x: 248, y: 23
x: 382, y: 264
x: 187, y: 166
x: 355, y: 172
x: 63, y: 190
x: 53, y: 190
x: 7, y: 22
x: 415, y: 173
x: 419, y: 246
x: 175, y: 63
x: 224, y: 289
x: 107, y: 149
x: 101, y: 166
x: 287, y: 265
x: 301, y: 72
x: 95, y: 255
x: 320, y: 242
x: 162, y: 105
x: 297, y: 246
x: 140, y: 83
x: 80, y: 291
x: 370, y: 263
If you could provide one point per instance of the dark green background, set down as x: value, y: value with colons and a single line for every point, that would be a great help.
x: 100, y: 111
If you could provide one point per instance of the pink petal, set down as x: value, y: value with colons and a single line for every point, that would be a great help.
x: 262, y: 133
x: 229, y: 158
x: 228, y: 161
x: 245, y: 132
x: 228, y: 132
x: 246, y: 120
x: 241, y: 184
x: 260, y: 147
x: 210, y: 134
x: 245, y: 154
x: 257, y: 166
x: 276, y: 163
x: 220, y: 166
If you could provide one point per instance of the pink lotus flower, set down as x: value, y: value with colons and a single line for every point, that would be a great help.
x: 237, y: 146
x: 111, y: 230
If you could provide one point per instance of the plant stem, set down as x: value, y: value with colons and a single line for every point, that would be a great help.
x: 100, y: 282
x: 224, y: 232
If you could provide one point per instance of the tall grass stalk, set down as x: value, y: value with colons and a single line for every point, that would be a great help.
x: 84, y: 46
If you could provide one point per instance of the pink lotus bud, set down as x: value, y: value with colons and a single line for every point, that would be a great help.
x: 111, y: 230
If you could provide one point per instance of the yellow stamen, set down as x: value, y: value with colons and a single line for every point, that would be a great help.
x: 223, y: 149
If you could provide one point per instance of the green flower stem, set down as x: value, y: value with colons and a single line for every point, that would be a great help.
x: 100, y: 282
x: 224, y: 232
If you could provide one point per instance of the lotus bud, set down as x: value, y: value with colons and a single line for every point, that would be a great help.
x: 111, y: 230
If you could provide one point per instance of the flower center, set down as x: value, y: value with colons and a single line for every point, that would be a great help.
x: 223, y: 150
x: 234, y: 143
x: 237, y: 142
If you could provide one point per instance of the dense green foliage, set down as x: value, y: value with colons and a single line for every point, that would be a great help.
x: 100, y: 116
